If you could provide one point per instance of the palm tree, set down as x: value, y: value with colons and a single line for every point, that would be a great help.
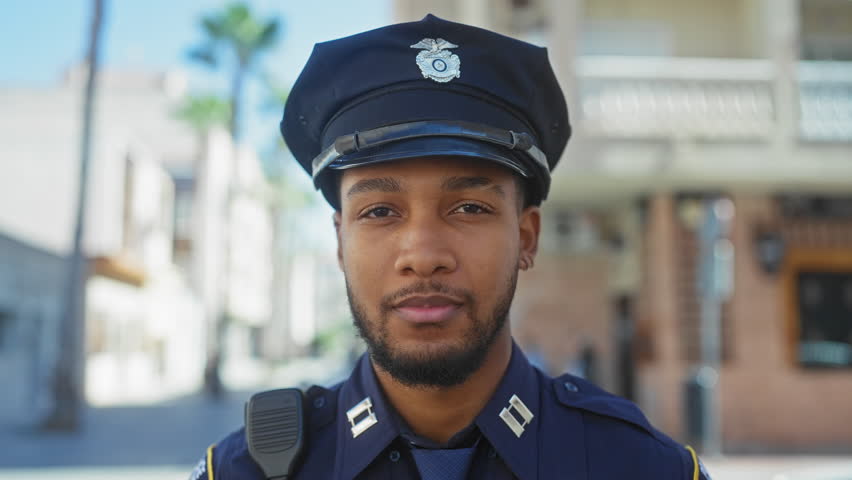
x: 235, y: 33
x: 68, y: 397
x: 203, y: 113
x: 235, y: 39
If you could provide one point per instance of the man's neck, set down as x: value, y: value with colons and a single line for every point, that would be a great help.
x: 439, y: 413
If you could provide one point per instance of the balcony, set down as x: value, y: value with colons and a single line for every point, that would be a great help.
x: 825, y: 101
x: 710, y: 99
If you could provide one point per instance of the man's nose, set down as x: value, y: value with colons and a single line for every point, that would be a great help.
x: 424, y: 247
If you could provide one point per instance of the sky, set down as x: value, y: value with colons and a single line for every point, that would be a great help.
x: 39, y: 40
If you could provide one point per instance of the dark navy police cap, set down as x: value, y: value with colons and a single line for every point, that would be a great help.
x: 422, y: 89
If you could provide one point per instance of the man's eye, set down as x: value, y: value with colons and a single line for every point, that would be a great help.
x: 471, y: 208
x: 378, y: 212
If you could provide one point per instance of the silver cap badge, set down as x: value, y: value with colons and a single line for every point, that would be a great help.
x: 436, y: 63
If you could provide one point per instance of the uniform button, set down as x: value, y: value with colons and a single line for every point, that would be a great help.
x: 571, y: 387
x: 492, y: 453
x: 394, y: 456
x: 319, y: 402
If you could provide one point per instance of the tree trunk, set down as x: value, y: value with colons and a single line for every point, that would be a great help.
x: 213, y: 385
x: 68, y: 383
x: 236, y: 102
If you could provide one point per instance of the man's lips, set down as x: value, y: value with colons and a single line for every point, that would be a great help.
x: 427, y: 309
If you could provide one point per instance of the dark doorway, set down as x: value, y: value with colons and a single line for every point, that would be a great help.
x: 624, y: 330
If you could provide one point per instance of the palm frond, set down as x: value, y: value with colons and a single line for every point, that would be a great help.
x: 204, y: 55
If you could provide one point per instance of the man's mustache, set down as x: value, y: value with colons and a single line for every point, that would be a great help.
x: 426, y: 288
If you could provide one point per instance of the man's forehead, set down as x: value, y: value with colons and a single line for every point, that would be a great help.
x: 447, y: 172
x: 447, y: 184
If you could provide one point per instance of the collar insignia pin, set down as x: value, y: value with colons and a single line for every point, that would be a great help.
x: 511, y: 420
x: 363, y: 407
x: 437, y: 63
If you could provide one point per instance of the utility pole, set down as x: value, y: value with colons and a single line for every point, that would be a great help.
x: 68, y: 384
x: 715, y: 283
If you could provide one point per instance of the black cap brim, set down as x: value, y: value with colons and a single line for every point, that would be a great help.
x: 425, y: 148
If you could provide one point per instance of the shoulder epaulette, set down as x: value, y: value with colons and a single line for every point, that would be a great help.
x: 578, y: 393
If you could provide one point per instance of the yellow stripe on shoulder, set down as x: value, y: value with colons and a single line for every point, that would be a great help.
x: 210, y: 461
x: 691, y: 451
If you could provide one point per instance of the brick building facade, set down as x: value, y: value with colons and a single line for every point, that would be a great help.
x: 673, y: 103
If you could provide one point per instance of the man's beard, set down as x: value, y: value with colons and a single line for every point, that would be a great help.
x: 437, y: 367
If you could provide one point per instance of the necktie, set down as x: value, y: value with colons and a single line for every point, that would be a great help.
x: 443, y: 464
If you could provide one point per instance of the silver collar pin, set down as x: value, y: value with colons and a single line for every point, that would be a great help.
x: 511, y: 420
x: 363, y: 407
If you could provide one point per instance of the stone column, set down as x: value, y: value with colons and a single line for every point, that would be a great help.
x: 783, y: 33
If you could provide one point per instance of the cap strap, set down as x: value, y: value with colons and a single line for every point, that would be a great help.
x: 354, y: 142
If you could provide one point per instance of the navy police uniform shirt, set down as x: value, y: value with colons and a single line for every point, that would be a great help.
x: 533, y: 427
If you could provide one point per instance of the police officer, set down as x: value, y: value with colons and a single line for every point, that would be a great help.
x: 434, y: 142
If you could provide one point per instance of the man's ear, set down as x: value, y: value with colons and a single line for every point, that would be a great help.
x: 336, y: 220
x: 529, y: 228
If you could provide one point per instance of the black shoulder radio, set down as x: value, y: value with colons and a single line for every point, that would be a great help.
x: 275, y: 430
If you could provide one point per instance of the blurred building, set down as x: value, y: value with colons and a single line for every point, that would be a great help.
x: 168, y: 219
x: 31, y: 283
x: 312, y: 315
x: 140, y: 311
x: 231, y: 238
x: 674, y: 103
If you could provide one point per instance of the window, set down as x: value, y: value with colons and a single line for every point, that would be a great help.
x: 819, y: 293
x: 825, y: 318
x: 825, y: 30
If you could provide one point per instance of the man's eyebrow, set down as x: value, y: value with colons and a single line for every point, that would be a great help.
x: 382, y: 184
x: 457, y: 184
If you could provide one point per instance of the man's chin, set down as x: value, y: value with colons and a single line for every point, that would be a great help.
x: 429, y: 364
x: 426, y: 351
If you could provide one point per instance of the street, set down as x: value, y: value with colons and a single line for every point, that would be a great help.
x: 108, y: 473
x: 163, y: 441
x: 175, y: 433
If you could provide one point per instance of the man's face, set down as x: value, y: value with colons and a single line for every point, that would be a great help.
x: 430, y: 250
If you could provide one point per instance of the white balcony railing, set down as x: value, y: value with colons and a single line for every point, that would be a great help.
x: 825, y: 101
x: 709, y: 99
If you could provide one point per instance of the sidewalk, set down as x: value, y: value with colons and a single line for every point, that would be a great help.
x: 155, y: 440
x: 108, y: 473
x: 728, y: 468
x: 780, y: 467
x: 172, y: 433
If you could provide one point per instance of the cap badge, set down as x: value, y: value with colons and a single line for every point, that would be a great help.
x: 436, y: 63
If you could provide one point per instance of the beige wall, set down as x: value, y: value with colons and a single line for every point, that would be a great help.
x: 491, y: 14
x: 696, y: 28
x: 411, y: 10
x: 687, y: 28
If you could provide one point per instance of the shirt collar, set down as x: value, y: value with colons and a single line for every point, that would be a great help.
x: 519, y: 452
x: 355, y: 453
